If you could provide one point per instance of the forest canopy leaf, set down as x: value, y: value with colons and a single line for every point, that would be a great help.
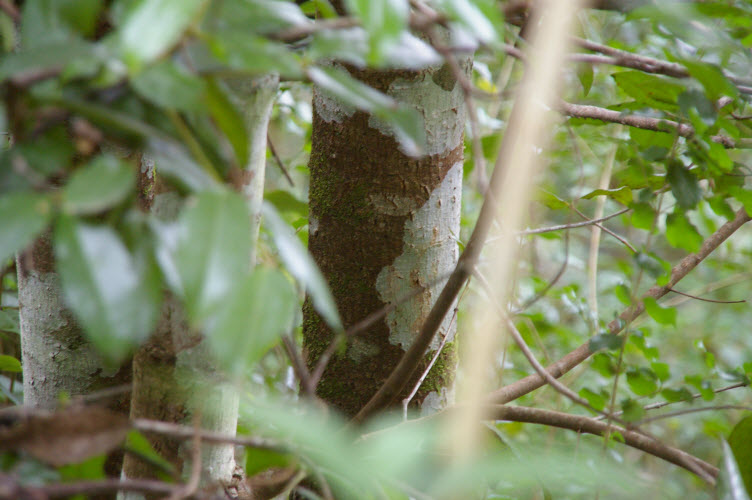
x: 105, y: 288
x: 739, y: 441
x: 103, y: 183
x: 681, y: 233
x: 684, y: 185
x: 170, y: 86
x: 662, y: 315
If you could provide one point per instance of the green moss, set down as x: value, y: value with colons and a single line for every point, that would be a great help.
x: 443, y: 371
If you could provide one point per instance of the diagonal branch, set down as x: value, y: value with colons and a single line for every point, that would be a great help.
x: 574, y: 358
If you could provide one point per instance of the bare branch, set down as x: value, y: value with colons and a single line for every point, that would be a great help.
x: 687, y: 411
x: 709, y: 300
x: 186, y: 432
x: 574, y: 358
x: 563, y: 227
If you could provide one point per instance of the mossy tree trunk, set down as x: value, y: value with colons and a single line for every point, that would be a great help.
x: 174, y: 377
x: 383, y: 225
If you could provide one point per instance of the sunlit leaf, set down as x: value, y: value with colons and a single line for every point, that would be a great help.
x: 301, y: 265
x: 681, y: 233
x: 116, y: 304
x: 623, y: 194
x: 213, y: 249
x: 662, y: 315
x: 103, y: 183
x: 9, y: 364
x: 251, y: 319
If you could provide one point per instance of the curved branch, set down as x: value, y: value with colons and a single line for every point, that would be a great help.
x: 574, y: 358
x: 589, y: 426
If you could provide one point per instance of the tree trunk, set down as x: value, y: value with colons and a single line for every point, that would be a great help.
x: 384, y: 225
x: 174, y: 376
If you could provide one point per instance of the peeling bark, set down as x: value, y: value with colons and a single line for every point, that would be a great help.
x: 383, y: 224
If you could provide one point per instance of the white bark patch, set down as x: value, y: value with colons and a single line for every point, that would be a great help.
x: 330, y: 109
x: 443, y: 111
x: 434, y: 402
x: 429, y: 252
x: 392, y: 204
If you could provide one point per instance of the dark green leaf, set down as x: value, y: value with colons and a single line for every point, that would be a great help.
x: 698, y: 108
x: 649, y: 90
x: 739, y: 440
x: 52, y: 57
x: 607, y: 341
x: 661, y: 315
x: 24, y: 215
x: 46, y: 21
x: 623, y: 294
x: 585, y: 74
x: 684, y: 185
x: 302, y: 267
x: 170, y: 86
x: 103, y: 285
x: 228, y: 118
x: 595, y: 399
x: 676, y: 395
x: 633, y: 410
x: 213, y: 249
x: 681, y: 233
x: 9, y: 364
x: 103, y: 183
x: 255, y: 55
x: 713, y: 80
x: 173, y: 161
x: 283, y: 201
x: 735, y: 474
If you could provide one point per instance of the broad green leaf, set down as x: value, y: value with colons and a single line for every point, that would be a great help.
x: 406, y: 124
x: 649, y: 90
x: 661, y: 315
x: 259, y: 459
x: 173, y: 161
x: 153, y: 27
x: 652, y: 265
x: 684, y: 185
x: 632, y: 410
x: 301, y: 265
x: 283, y: 201
x: 170, y: 86
x: 213, y: 250
x: 623, y: 194
x: 102, y: 184
x: 251, y: 319
x: 703, y: 385
x: 712, y: 79
x: 550, y: 199
x: 585, y: 74
x: 681, y: 233
x: 228, y: 118
x: 642, y: 381
x: 595, y: 399
x: 735, y: 475
x: 698, y: 108
x: 137, y: 442
x: 662, y: 370
x: 259, y: 16
x: 623, y: 293
x: 115, y: 302
x: 24, y: 215
x: 9, y: 364
x: 643, y: 215
x: 675, y: 395
x: 739, y: 441
x: 255, y: 55
x: 51, y: 57
x: 45, y: 21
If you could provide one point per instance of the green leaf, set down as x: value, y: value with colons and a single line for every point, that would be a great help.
x: 684, y: 185
x: 169, y: 85
x: 655, y: 267
x: 623, y: 293
x: 739, y: 441
x: 255, y: 55
x: 137, y: 442
x: 152, y: 27
x: 213, y: 249
x: 681, y: 233
x: 661, y: 315
x: 642, y: 381
x: 51, y: 57
x: 260, y: 459
x: 283, y: 201
x: 228, y: 119
x: 301, y: 265
x: 735, y: 475
x: 607, y: 341
x: 585, y: 74
x: 9, y: 364
x: 661, y: 370
x: 712, y: 79
x: 700, y: 111
x: 114, y: 300
x: 45, y: 21
x: 406, y: 124
x: 704, y: 386
x: 252, y: 319
x: 650, y: 90
x: 384, y: 20
x: 24, y: 215
x: 595, y: 399
x: 9, y: 321
x: 102, y: 184
x: 632, y: 410
x: 173, y: 161
x: 643, y: 216
x: 478, y: 18
x: 676, y: 395
x: 623, y: 194
x: 550, y: 199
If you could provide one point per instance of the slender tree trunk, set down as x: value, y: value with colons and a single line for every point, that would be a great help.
x: 174, y: 376
x: 384, y: 225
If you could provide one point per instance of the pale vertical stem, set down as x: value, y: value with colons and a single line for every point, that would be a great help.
x: 528, y: 128
x: 595, y: 238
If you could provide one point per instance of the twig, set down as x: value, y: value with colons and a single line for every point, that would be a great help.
x: 301, y: 371
x: 11, y: 10
x: 687, y: 411
x: 574, y: 358
x: 590, y: 426
x: 12, y: 490
x: 532, y: 300
x: 573, y: 225
x: 186, y: 432
x: 278, y: 160
x: 708, y: 300
x: 621, y: 239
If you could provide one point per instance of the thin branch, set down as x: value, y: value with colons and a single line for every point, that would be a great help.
x: 687, y: 411
x: 12, y: 490
x: 574, y: 358
x: 709, y: 300
x: 573, y: 225
x: 186, y: 432
x: 11, y: 10
x: 299, y: 366
x: 542, y: 293
x: 621, y: 239
x: 278, y: 160
x: 590, y: 426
